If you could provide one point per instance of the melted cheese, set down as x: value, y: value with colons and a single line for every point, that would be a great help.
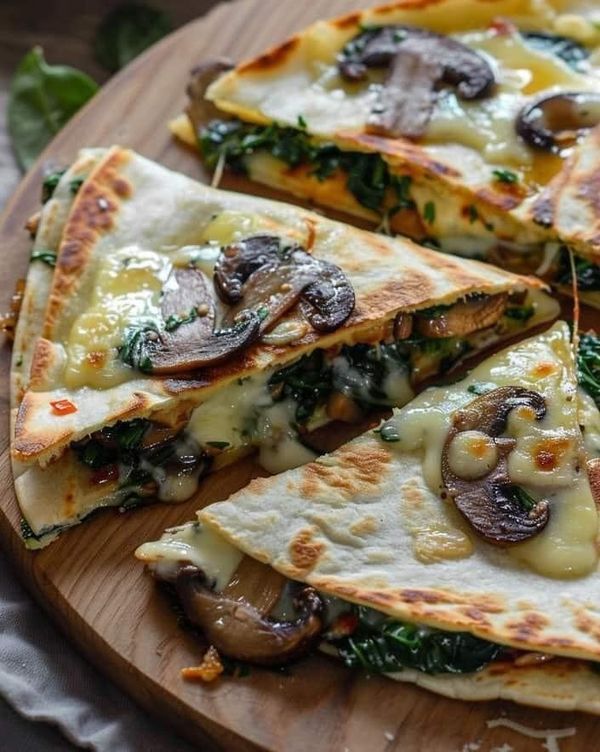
x: 546, y: 460
x: 191, y: 544
x: 126, y: 291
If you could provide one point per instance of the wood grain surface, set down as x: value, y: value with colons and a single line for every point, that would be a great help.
x: 89, y: 580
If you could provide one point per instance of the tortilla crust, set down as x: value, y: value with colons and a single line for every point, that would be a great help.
x: 125, y: 200
x: 345, y: 525
x: 567, y: 208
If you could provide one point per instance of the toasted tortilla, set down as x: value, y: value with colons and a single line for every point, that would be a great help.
x: 296, y: 82
x: 130, y: 202
x: 364, y: 524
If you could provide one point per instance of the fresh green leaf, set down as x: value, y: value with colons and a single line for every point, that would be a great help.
x: 505, y: 176
x: 387, y: 645
x: 126, y: 32
x: 47, y: 257
x: 42, y: 99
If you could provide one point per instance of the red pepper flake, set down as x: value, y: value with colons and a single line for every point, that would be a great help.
x: 343, y: 626
x: 503, y: 27
x: 63, y: 407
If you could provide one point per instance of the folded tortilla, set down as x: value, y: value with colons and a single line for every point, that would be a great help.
x: 470, y: 183
x: 131, y: 224
x: 370, y: 525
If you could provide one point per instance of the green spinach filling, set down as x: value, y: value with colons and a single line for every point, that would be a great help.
x: 588, y: 365
x: 387, y: 645
x: 367, y: 175
x: 586, y: 272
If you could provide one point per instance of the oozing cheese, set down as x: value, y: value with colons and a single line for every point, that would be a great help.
x: 547, y: 458
x: 126, y: 291
x: 192, y: 544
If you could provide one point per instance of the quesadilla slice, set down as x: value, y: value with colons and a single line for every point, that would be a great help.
x: 466, y: 124
x: 186, y: 326
x: 455, y: 547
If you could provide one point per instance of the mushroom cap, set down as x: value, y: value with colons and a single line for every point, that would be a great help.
x: 555, y: 120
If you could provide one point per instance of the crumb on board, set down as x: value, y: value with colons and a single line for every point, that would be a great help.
x: 210, y: 668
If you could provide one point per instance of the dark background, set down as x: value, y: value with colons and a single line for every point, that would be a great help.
x: 65, y: 29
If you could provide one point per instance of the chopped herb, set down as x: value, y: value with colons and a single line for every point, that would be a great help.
x: 505, y: 176
x: 26, y: 531
x: 429, y: 212
x: 302, y: 122
x: 218, y: 444
x: 49, y: 184
x: 473, y: 213
x: 519, y: 313
x: 480, y: 389
x: 262, y: 313
x: 387, y: 645
x: 588, y: 365
x: 75, y: 184
x: 19, y: 361
x: 133, y: 350
x: 388, y: 432
x: 520, y: 495
x: 174, y: 322
x: 47, y: 257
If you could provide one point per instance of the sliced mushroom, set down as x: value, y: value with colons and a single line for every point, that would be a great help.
x: 420, y: 61
x: 240, y: 631
x: 258, y: 273
x: 329, y: 300
x: 201, y: 110
x: 463, y: 317
x: 239, y: 260
x: 193, y: 343
x: 557, y: 120
x: 272, y: 290
x: 489, y: 502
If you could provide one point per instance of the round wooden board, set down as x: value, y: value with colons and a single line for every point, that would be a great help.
x: 89, y: 580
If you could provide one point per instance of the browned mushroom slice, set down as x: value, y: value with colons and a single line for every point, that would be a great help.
x: 173, y: 355
x: 239, y: 260
x: 238, y: 630
x: 420, y: 61
x: 462, y: 318
x: 556, y: 120
x: 200, y: 110
x: 328, y: 302
x: 272, y: 290
x: 483, y: 491
x: 460, y: 65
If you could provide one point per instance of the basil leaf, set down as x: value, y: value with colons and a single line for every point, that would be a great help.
x: 127, y: 31
x: 42, y: 99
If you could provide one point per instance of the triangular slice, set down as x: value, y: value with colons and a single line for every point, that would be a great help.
x: 458, y: 538
x: 442, y: 122
x: 147, y: 372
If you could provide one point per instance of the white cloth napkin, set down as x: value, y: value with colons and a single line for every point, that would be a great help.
x: 44, y: 679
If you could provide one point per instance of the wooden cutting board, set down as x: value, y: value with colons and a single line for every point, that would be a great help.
x: 89, y: 580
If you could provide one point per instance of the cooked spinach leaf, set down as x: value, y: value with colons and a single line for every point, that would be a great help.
x: 126, y: 32
x: 111, y: 443
x: 42, y: 99
x: 307, y: 381
x: 49, y: 184
x: 519, y: 312
x: 505, y: 176
x: 588, y: 365
x: 570, y: 51
x: 367, y: 175
x: 587, y: 273
x: 47, y: 257
x: 382, y: 646
x: 133, y: 350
